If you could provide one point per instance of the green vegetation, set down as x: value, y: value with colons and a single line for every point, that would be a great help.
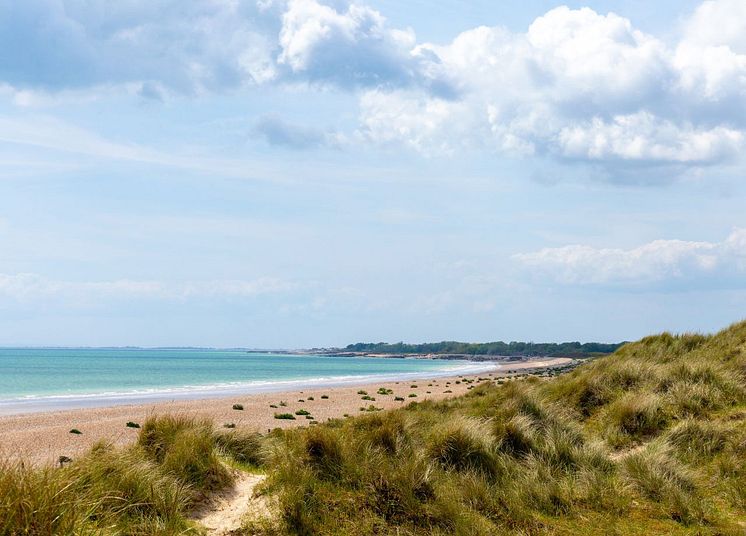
x: 651, y: 440
x: 238, y: 407
x: 528, y: 349
x: 302, y: 412
x: 131, y: 424
x: 286, y: 416
x: 145, y: 489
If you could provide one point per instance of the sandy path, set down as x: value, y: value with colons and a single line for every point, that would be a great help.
x: 223, y: 514
x: 41, y: 438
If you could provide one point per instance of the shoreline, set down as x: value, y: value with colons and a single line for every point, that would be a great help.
x: 40, y: 438
x: 56, y: 402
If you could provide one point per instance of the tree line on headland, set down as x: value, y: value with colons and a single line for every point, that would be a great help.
x: 499, y: 348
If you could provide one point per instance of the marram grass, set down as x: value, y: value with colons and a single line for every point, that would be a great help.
x: 649, y: 440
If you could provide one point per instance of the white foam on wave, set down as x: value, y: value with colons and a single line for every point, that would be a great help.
x: 36, y: 403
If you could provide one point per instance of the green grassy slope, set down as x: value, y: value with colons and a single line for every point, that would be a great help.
x: 649, y: 440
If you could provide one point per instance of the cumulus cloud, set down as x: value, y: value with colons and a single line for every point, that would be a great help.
x: 660, y: 261
x: 577, y: 85
x: 349, y: 47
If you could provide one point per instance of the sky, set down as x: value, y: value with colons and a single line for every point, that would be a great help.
x: 309, y: 173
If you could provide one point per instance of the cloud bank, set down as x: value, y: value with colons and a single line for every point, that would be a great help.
x: 660, y: 261
x: 576, y: 86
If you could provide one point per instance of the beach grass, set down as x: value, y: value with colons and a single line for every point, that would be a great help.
x: 649, y: 440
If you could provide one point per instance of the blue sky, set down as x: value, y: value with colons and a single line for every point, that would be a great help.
x: 309, y: 173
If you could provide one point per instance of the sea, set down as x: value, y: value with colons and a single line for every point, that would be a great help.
x: 44, y: 379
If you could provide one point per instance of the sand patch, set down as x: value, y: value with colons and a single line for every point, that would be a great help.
x: 223, y: 513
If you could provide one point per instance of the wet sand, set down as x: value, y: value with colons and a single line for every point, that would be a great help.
x: 41, y: 438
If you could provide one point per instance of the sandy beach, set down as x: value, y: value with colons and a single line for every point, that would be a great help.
x: 41, y: 438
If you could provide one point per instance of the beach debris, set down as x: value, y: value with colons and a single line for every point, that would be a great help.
x: 238, y: 407
x: 75, y: 431
x: 131, y: 424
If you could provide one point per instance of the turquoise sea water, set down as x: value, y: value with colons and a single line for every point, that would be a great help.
x: 40, y: 379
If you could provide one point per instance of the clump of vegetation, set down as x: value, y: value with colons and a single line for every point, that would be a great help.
x: 310, y: 398
x: 398, y: 399
x: 243, y: 447
x: 367, y: 397
x: 302, y: 412
x: 286, y: 416
x: 238, y: 407
x: 131, y: 424
x: 147, y: 488
x: 362, y: 392
x: 324, y: 397
x: 384, y: 391
x: 229, y: 425
x: 412, y: 395
x: 75, y: 431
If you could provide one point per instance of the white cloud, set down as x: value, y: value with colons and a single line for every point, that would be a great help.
x: 351, y: 47
x: 642, y: 136
x: 660, y: 261
x: 577, y: 85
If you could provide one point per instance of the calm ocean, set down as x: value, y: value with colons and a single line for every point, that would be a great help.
x: 42, y: 379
